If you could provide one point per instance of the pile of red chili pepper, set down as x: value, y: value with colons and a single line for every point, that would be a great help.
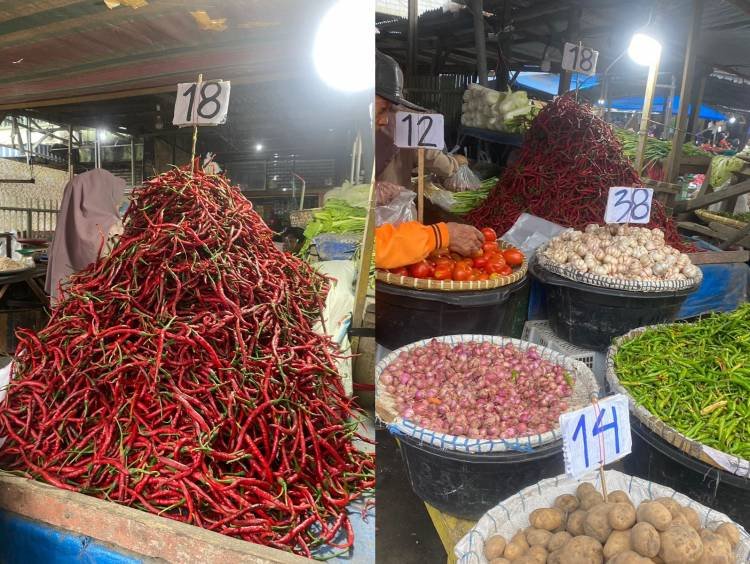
x: 181, y: 375
x: 568, y: 161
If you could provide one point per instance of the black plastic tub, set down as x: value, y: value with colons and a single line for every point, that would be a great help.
x: 656, y: 460
x: 403, y: 315
x: 468, y: 485
x: 590, y: 317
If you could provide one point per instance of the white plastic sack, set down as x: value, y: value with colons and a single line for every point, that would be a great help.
x: 512, y: 514
x: 441, y: 198
x: 399, y: 210
x: 530, y: 232
x: 464, y: 179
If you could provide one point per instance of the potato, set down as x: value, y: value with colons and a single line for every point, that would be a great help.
x: 729, y: 532
x: 654, y: 513
x: 554, y: 557
x: 716, y: 549
x: 584, y: 489
x: 582, y: 550
x: 567, y: 503
x: 548, y: 519
x: 494, y: 547
x: 645, y: 539
x: 520, y: 539
x: 629, y: 557
x: 619, y: 496
x: 674, y: 507
x: 680, y: 519
x: 575, y: 522
x: 590, y: 500
x: 618, y: 541
x: 558, y: 540
x: 513, y: 550
x: 535, y: 555
x: 596, y: 524
x: 621, y: 516
x: 692, y: 517
x: 680, y: 545
x: 538, y: 537
x: 500, y: 560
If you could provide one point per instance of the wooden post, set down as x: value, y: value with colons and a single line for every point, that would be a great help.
x: 695, y: 102
x: 571, y: 35
x: 480, y: 40
x: 668, y: 103
x: 420, y: 185
x: 653, y: 75
x: 673, y: 161
x: 412, y: 39
x: 195, y: 127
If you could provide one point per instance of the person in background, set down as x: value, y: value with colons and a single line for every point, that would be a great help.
x: 409, y: 242
x: 89, y: 222
x: 292, y: 240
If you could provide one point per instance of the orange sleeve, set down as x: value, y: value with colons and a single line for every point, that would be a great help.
x: 407, y: 243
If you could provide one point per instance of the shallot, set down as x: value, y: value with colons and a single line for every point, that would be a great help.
x: 478, y: 389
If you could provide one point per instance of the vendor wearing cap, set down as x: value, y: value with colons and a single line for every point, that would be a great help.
x: 409, y: 242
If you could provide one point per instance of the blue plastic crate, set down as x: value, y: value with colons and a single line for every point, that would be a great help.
x: 336, y: 247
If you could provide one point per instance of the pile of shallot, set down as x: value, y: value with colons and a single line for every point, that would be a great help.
x: 621, y: 251
x: 478, y: 389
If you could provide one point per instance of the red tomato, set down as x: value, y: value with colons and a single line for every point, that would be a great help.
x: 399, y: 271
x: 495, y: 265
x: 489, y: 234
x: 480, y: 262
x: 490, y: 247
x: 421, y: 269
x: 443, y: 272
x: 506, y: 270
x: 444, y: 261
x: 461, y: 272
x: 513, y: 257
x: 484, y: 276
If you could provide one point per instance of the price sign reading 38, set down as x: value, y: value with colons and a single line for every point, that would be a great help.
x: 201, y: 103
x: 629, y: 205
x: 419, y: 131
x: 596, y: 435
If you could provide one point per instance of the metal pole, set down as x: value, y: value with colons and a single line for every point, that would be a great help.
x: 413, y: 38
x: 480, y: 40
x: 673, y: 162
x: 653, y: 72
x: 132, y: 162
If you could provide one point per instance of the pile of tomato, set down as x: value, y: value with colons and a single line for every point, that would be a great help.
x: 490, y: 263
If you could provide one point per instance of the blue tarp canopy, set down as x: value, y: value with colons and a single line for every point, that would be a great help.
x: 635, y: 104
x: 548, y: 82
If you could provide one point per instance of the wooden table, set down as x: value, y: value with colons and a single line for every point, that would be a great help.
x: 29, y: 277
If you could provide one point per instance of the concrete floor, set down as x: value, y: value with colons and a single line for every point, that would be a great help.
x: 405, y: 534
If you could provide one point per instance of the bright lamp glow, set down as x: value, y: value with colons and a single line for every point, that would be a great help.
x: 644, y: 50
x: 258, y: 147
x: 601, y: 101
x: 344, y: 48
x: 732, y: 119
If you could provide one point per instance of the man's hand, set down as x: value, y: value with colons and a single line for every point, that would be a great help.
x: 460, y: 159
x: 385, y: 192
x: 464, y: 239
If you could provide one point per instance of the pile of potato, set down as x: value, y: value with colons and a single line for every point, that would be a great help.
x: 583, y: 529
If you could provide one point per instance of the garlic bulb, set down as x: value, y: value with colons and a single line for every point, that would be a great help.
x: 621, y: 251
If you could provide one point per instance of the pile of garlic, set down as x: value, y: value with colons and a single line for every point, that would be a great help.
x: 621, y: 251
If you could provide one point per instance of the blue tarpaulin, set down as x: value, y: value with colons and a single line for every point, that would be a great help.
x: 635, y: 104
x: 549, y: 82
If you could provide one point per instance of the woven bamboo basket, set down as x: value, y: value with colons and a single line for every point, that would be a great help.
x: 452, y: 285
x: 301, y: 218
x: 707, y: 216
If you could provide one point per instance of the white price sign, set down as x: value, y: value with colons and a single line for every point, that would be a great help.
x: 577, y: 58
x: 629, y: 205
x: 595, y: 435
x: 204, y: 103
x: 419, y: 131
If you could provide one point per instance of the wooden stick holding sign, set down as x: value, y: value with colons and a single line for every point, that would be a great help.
x: 420, y: 132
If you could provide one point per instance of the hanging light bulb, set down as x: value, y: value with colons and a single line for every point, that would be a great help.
x: 159, y: 123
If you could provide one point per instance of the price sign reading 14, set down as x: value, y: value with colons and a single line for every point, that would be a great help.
x: 629, y: 205
x: 596, y: 435
x: 419, y: 131
x: 201, y: 103
x: 578, y: 58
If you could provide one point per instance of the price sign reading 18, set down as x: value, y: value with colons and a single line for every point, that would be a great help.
x: 419, y: 131
x: 201, y: 103
x: 629, y: 205
x: 578, y: 58
x: 596, y: 435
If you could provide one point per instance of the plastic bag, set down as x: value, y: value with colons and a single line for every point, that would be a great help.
x: 464, y: 179
x: 530, y: 232
x: 441, y: 198
x: 355, y: 195
x: 399, y: 210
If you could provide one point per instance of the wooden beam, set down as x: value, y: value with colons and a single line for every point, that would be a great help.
x: 572, y: 36
x: 480, y: 40
x: 695, y: 103
x: 708, y: 199
x: 719, y: 257
x: 653, y: 73
x: 412, y: 38
x: 673, y: 161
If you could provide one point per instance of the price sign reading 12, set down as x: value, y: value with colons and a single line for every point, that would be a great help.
x: 419, y: 131
x: 629, y: 205
x: 596, y: 435
x: 201, y: 103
